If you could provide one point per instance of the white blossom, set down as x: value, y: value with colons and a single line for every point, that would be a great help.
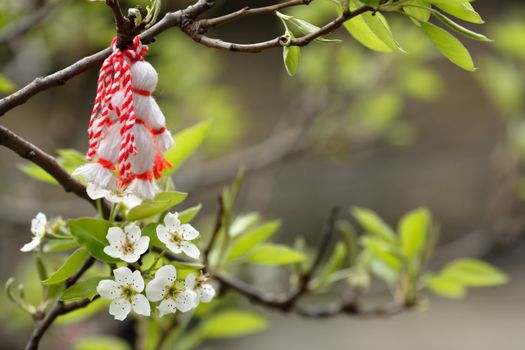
x: 204, y: 290
x: 125, y: 293
x: 38, y: 228
x: 130, y: 200
x: 172, y: 294
x: 177, y: 236
x: 127, y: 245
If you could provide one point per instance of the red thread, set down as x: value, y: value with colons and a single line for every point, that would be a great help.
x: 106, y: 163
x: 141, y: 92
x: 115, y: 75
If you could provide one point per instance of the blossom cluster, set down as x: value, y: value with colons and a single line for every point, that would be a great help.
x: 171, y: 294
x: 126, y: 290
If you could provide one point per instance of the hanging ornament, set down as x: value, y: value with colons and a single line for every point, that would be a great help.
x: 127, y: 132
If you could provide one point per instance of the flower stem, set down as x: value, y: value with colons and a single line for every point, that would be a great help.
x: 99, y: 208
x: 161, y: 254
x: 113, y: 213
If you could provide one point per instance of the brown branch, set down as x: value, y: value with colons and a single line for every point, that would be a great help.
x: 28, y: 151
x: 215, y: 233
x: 198, y: 35
x: 23, y: 26
x: 60, y: 77
x: 59, y: 308
x: 186, y: 20
x: 248, y: 11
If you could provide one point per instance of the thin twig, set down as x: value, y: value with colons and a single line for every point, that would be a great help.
x: 248, y: 11
x: 59, y: 308
x: 215, y: 232
x: 186, y: 20
x: 28, y: 151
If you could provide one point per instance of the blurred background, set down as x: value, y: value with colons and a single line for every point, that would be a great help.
x: 390, y: 132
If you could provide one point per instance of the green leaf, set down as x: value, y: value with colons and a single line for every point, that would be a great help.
x: 252, y: 238
x: 446, y: 287
x: 59, y: 245
x: 83, y: 289
x: 373, y: 224
x: 449, y: 46
x: 189, y: 214
x: 383, y: 251
x: 232, y: 324
x: 459, y: 28
x: 419, y: 10
x: 91, y: 233
x: 5, y: 85
x: 163, y: 202
x: 242, y: 223
x: 274, y: 254
x: 186, y: 142
x: 474, y: 273
x: 379, y: 26
x: 68, y: 269
x: 37, y: 173
x: 334, y: 263
x: 461, y: 9
x: 292, y: 58
x: 99, y: 342
x: 413, y: 229
x: 150, y: 230
x: 361, y: 31
x: 305, y: 27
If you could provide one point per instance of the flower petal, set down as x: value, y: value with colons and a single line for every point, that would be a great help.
x: 206, y: 293
x: 141, y: 305
x: 191, y: 250
x: 171, y: 220
x: 155, y: 290
x: 133, y: 232
x: 138, y: 281
x: 113, y: 252
x: 163, y: 234
x: 189, y: 232
x: 130, y: 257
x: 186, y: 300
x: 142, y: 245
x: 174, y: 247
x: 108, y: 289
x: 167, y: 306
x: 119, y: 308
x: 38, y: 224
x: 123, y: 275
x: 115, y: 236
x: 31, y: 245
x: 96, y: 192
x: 190, y: 281
x: 169, y: 272
x: 131, y: 201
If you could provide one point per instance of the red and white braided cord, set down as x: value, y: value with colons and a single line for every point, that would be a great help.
x: 115, y: 75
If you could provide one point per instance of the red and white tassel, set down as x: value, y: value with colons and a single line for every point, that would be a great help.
x: 127, y: 133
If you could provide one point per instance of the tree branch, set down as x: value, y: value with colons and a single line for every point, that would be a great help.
x: 59, y: 308
x: 248, y: 11
x: 60, y: 77
x: 28, y: 151
x: 186, y: 20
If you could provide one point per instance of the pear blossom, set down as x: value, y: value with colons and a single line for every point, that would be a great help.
x: 177, y: 236
x: 128, y: 244
x: 171, y: 293
x: 130, y: 200
x: 38, y: 228
x: 125, y: 293
x: 204, y: 290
